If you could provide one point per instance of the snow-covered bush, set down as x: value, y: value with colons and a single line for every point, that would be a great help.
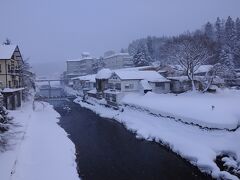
x: 4, y: 126
x: 4, y: 119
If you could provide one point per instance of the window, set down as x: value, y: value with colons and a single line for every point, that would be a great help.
x: 16, y: 83
x: 107, y: 97
x: 9, y: 84
x: 111, y: 86
x: 129, y: 86
x: 114, y: 98
x: 9, y: 68
x: 118, y: 86
x: 160, y: 85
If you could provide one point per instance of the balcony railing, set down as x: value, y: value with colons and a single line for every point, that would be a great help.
x: 14, y: 71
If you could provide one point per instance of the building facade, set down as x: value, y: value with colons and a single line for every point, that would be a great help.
x: 118, y: 61
x: 10, y: 62
x: 80, y: 67
x: 10, y: 76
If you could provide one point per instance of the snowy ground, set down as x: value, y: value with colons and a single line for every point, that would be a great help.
x: 199, y: 146
x: 38, y: 147
x: 220, y: 110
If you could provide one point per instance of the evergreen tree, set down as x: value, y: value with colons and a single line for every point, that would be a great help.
x: 209, y: 30
x: 226, y: 60
x: 219, y: 30
x: 238, y: 29
x: 230, y: 35
x: 237, y: 44
x: 141, y: 58
x: 150, y: 46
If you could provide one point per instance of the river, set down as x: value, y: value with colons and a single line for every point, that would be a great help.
x: 107, y: 151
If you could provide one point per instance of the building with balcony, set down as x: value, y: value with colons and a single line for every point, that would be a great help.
x: 10, y: 75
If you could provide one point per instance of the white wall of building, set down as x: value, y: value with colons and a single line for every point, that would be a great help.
x: 118, y: 61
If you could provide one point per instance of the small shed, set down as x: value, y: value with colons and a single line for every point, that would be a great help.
x: 12, y: 97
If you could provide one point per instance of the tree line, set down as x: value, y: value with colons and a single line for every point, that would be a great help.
x: 215, y: 43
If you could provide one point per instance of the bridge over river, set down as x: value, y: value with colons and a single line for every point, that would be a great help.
x: 51, y: 93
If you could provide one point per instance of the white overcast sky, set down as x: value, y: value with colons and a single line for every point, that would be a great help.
x: 51, y: 31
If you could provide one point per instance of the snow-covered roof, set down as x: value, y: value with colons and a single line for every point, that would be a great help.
x: 185, y: 78
x: 203, y: 69
x: 112, y: 91
x: 91, y: 78
x: 93, y: 91
x: 6, y: 51
x: 218, y: 80
x: 200, y: 69
x: 179, y: 78
x: 146, y: 85
x: 80, y: 59
x: 104, y: 74
x: 117, y: 54
x: 151, y: 76
x: 134, y: 68
x: 85, y: 54
x: 9, y: 90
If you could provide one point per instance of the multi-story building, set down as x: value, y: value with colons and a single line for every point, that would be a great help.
x: 118, y: 61
x: 10, y: 62
x: 10, y: 75
x: 80, y: 67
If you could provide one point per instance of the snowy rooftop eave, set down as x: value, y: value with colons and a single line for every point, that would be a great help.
x: 151, y: 76
x: 81, y: 59
x: 117, y: 54
x: 6, y: 51
x: 104, y: 74
x: 185, y: 78
x: 90, y: 78
x: 9, y: 90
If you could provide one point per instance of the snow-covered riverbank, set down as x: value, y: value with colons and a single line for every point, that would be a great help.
x: 38, y: 147
x: 220, y: 110
x: 199, y: 146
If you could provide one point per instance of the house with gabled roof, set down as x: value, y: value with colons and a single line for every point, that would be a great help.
x: 123, y: 81
x: 84, y: 83
x: 10, y: 75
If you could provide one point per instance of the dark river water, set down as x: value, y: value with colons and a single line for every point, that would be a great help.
x: 107, y: 151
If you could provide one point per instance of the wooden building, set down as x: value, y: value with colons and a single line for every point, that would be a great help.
x: 10, y: 75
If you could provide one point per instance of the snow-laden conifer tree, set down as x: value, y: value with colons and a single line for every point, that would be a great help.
x: 230, y: 33
x: 142, y: 57
x: 209, y: 31
x: 219, y: 27
x: 237, y: 25
x: 226, y: 60
x: 150, y: 47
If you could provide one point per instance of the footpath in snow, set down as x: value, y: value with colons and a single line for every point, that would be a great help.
x: 38, y: 147
x: 201, y: 147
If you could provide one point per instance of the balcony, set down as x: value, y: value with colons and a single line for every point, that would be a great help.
x: 14, y: 71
